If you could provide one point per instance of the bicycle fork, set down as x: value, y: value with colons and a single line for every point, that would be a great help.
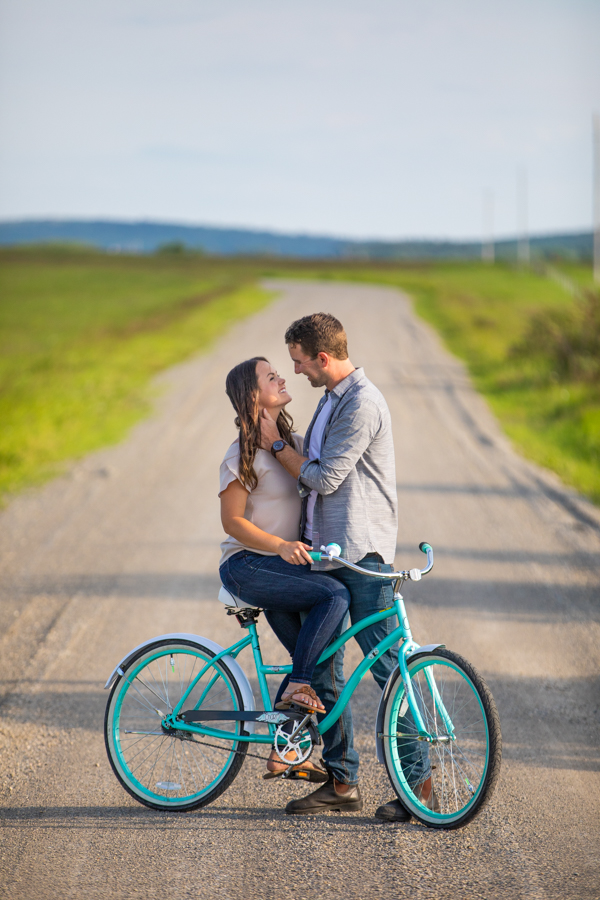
x: 407, y: 647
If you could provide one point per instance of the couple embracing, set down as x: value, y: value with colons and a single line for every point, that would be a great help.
x: 281, y: 496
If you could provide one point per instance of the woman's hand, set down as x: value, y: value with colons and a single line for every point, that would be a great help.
x: 294, y: 552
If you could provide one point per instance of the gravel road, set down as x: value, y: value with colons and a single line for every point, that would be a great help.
x: 125, y: 547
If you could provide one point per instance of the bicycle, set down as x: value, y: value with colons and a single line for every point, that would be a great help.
x: 181, y: 715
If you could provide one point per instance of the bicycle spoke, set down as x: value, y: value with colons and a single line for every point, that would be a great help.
x: 146, y: 703
x: 187, y: 754
x: 150, y: 776
x: 148, y: 749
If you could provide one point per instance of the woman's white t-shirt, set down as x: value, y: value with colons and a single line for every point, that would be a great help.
x: 274, y: 505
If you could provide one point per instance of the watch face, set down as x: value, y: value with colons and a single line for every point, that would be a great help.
x: 278, y: 445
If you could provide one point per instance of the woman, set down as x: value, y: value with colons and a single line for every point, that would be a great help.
x: 262, y: 561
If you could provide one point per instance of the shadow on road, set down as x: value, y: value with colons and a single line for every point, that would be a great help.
x: 565, y: 710
x: 141, y: 817
x: 137, y: 585
x: 534, y: 601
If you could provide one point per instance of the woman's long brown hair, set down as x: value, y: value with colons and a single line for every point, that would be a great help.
x: 242, y: 389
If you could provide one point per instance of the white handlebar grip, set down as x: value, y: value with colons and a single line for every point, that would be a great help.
x: 415, y: 574
x: 332, y: 550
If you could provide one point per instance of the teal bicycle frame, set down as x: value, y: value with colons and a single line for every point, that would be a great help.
x: 407, y: 647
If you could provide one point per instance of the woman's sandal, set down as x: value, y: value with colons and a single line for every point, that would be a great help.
x: 287, y: 698
x: 302, y: 772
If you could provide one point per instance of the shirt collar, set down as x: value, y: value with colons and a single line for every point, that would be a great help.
x: 340, y: 389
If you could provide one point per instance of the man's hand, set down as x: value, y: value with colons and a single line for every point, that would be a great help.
x: 269, y: 433
x: 295, y: 552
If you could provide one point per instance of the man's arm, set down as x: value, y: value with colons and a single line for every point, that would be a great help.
x: 347, y: 440
x: 288, y: 457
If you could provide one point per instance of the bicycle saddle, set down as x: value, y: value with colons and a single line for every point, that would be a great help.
x: 229, y: 599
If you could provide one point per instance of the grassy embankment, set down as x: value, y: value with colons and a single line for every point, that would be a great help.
x: 532, y: 347
x: 82, y: 333
x: 533, y: 350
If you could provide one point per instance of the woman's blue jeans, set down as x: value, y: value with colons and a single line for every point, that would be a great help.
x: 304, y: 608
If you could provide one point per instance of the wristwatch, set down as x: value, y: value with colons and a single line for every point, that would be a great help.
x: 277, y: 446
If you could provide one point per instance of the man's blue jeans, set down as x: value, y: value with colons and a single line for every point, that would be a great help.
x: 368, y: 596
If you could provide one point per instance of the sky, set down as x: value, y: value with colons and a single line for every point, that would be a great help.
x: 358, y: 118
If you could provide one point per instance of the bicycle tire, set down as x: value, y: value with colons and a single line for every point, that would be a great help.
x: 166, y: 770
x: 464, y: 770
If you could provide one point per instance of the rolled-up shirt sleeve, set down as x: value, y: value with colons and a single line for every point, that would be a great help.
x: 347, y: 440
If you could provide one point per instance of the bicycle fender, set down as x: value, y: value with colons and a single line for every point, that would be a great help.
x: 231, y: 663
x: 428, y: 648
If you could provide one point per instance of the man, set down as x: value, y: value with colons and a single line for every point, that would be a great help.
x: 347, y: 479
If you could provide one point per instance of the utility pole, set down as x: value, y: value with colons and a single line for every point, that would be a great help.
x: 523, y: 254
x: 487, y: 243
x: 596, y: 164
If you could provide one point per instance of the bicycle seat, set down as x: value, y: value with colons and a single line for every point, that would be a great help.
x: 229, y: 599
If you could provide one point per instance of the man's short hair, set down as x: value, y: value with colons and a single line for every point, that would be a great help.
x: 319, y: 333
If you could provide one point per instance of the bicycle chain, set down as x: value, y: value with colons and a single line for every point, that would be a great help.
x: 193, y: 740
x: 226, y: 750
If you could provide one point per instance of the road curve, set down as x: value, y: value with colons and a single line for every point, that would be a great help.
x: 125, y: 547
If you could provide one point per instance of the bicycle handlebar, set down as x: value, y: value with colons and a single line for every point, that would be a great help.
x: 332, y: 552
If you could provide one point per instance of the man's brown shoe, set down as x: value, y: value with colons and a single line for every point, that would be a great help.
x: 326, y: 799
x: 393, y: 811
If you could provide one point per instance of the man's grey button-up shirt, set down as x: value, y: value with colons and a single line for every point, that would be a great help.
x: 355, y: 475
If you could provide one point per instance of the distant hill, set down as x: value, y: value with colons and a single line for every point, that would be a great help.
x: 147, y: 237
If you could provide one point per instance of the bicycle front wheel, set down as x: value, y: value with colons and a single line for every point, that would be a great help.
x: 459, y: 713
x: 173, y: 770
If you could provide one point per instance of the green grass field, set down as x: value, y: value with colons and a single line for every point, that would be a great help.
x: 81, y: 334
x: 552, y: 417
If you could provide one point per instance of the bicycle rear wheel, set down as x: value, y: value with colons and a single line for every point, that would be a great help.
x: 172, y: 770
x: 465, y: 760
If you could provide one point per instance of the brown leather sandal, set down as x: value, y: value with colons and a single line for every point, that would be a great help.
x: 288, y: 698
x: 303, y: 772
